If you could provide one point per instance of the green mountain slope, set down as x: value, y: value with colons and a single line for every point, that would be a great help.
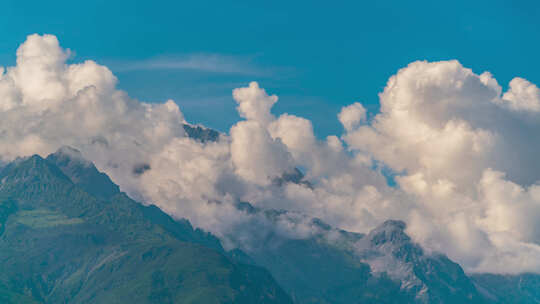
x: 83, y: 173
x: 509, y: 289
x: 60, y: 244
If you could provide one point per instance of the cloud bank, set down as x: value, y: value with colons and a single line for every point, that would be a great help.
x: 463, y: 150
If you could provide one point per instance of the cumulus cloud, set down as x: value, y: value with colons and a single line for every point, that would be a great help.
x: 351, y: 115
x: 47, y: 103
x: 451, y: 133
x: 255, y: 155
x: 463, y: 151
x: 522, y: 96
x: 254, y: 104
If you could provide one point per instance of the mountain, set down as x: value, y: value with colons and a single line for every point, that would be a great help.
x: 295, y: 176
x: 336, y: 266
x: 510, y: 289
x: 201, y: 134
x: 68, y: 236
x: 314, y: 271
x: 83, y: 173
x: 430, y: 278
x: 384, y: 266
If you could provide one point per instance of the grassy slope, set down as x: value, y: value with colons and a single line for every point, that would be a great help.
x: 313, y: 271
x: 510, y: 289
x: 86, y: 250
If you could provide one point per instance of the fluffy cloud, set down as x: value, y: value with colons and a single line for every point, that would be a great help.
x: 46, y: 103
x: 450, y: 133
x: 522, y: 96
x: 257, y: 156
x: 351, y: 115
x: 464, y: 153
x: 254, y: 103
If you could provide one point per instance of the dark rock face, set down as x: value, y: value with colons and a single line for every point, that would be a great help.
x: 201, y: 134
x: 429, y: 278
x: 295, y: 176
x: 61, y: 244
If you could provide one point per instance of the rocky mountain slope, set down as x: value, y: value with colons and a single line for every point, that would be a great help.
x: 384, y: 266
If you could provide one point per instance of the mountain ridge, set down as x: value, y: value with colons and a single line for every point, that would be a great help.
x: 63, y: 245
x: 64, y: 200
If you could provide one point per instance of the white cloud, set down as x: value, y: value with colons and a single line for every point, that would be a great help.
x: 254, y: 103
x: 256, y: 156
x: 522, y: 95
x: 351, y: 115
x: 466, y: 154
x: 450, y: 131
x: 212, y: 63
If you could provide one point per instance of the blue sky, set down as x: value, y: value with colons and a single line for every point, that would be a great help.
x: 315, y: 55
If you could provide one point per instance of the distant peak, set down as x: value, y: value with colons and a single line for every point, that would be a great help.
x: 71, y: 154
x: 394, y: 224
x: 294, y: 176
x: 35, y: 158
x: 390, y: 231
x: 201, y: 134
x: 34, y: 161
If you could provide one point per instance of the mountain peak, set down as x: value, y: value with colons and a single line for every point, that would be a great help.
x: 390, y: 231
x: 201, y: 134
x: 60, y: 244
x: 70, y: 154
x: 83, y: 172
x: 294, y: 176
x: 393, y: 225
x: 31, y: 168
